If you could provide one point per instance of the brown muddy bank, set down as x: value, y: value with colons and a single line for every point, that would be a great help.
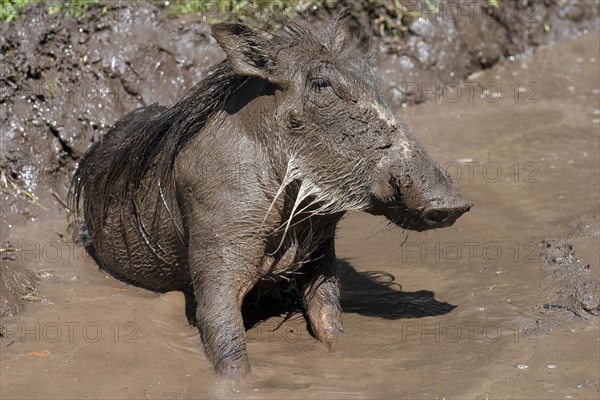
x: 478, y: 310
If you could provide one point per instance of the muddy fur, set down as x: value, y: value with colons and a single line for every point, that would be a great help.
x: 241, y: 183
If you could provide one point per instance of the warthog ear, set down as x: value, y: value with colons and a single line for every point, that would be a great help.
x: 337, y: 32
x: 246, y: 49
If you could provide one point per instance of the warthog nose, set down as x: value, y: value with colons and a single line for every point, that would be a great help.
x: 440, y: 217
x: 436, y: 216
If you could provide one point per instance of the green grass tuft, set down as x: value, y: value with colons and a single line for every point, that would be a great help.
x: 11, y: 9
x: 7, y: 183
x: 493, y: 4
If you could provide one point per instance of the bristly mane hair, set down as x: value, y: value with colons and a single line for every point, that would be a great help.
x: 155, y: 143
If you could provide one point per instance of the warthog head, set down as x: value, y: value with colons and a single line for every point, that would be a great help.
x: 334, y: 130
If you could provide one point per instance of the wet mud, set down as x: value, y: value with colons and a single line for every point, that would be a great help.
x: 18, y: 283
x: 578, y: 294
x: 503, y: 304
x: 445, y: 44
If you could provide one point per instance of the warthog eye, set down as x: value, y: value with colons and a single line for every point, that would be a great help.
x: 319, y: 84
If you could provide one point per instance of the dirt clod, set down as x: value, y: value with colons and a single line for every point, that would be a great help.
x: 578, y: 293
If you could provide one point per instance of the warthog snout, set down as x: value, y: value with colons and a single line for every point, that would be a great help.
x: 424, y: 196
x: 441, y: 217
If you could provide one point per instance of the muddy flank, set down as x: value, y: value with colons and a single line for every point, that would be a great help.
x: 503, y: 304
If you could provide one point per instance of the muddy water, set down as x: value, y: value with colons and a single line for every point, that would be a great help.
x: 452, y: 313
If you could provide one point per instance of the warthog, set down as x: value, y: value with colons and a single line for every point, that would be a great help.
x: 243, y: 181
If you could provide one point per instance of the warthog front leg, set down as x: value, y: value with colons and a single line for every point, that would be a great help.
x: 321, y: 295
x: 219, y: 293
x: 222, y: 329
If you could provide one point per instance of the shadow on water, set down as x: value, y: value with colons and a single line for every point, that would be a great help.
x: 376, y: 294
x: 371, y: 293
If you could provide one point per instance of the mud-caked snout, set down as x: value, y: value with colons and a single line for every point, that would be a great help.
x: 440, y: 216
x: 424, y: 196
